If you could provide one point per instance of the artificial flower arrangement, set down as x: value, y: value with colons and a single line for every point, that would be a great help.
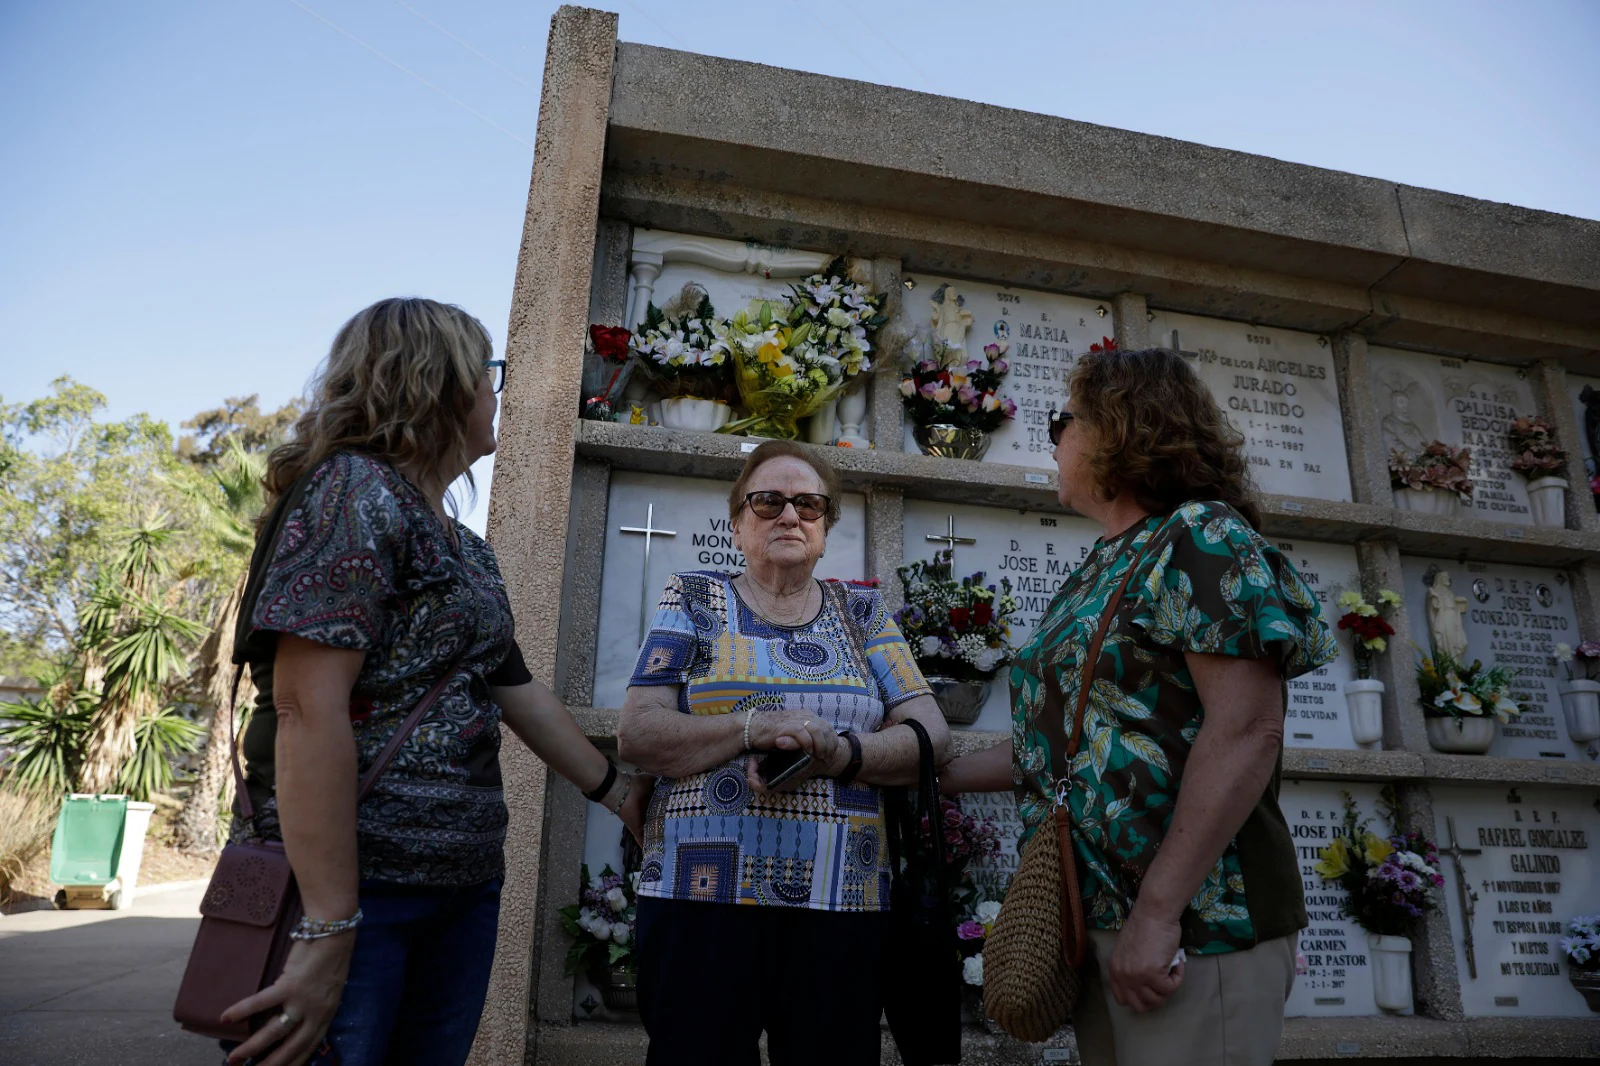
x: 966, y: 837
x: 1453, y: 690
x: 956, y: 629
x: 1389, y: 882
x: 1369, y: 629
x: 602, y: 922
x: 1584, y: 659
x: 945, y: 387
x: 681, y: 351
x: 1533, y: 442
x: 611, y: 344
x: 971, y: 935
x: 1581, y: 945
x: 793, y: 355
x: 1438, y: 466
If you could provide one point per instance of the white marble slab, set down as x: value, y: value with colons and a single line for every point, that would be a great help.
x: 992, y: 875
x: 696, y: 510
x: 1279, y: 389
x: 1534, y: 869
x: 1338, y: 977
x: 1515, y: 617
x: 1463, y: 402
x: 1045, y: 333
x: 1317, y: 716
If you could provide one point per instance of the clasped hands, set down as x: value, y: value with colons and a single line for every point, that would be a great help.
x: 791, y: 730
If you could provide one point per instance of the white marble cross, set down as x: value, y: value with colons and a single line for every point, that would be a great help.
x: 649, y: 530
x: 949, y: 539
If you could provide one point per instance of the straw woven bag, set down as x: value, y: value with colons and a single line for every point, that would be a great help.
x: 1032, y: 959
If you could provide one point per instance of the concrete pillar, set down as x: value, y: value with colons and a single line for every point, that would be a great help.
x: 1553, y: 396
x: 886, y: 419
x: 1403, y: 727
x: 580, y: 592
x: 529, y: 508
x: 886, y: 521
x: 1369, y: 464
x: 1130, y: 320
x: 1437, y: 985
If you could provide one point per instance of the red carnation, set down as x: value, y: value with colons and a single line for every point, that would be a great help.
x: 1106, y: 345
x: 958, y: 617
x: 982, y: 614
x: 610, y: 342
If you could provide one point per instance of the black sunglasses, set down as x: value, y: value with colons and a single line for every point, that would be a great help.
x: 497, y: 367
x: 1058, y: 423
x: 809, y: 506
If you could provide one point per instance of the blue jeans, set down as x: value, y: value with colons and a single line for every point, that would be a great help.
x: 418, y: 976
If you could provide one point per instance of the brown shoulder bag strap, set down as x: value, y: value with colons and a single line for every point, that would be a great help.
x: 1073, y: 934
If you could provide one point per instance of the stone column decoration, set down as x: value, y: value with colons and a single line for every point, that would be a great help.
x: 1403, y: 727
x: 886, y: 418
x: 886, y: 523
x: 528, y: 509
x: 1437, y: 985
x: 1552, y: 393
x: 1131, y: 318
x: 1358, y: 407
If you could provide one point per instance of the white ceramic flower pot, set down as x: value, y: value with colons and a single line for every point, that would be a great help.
x: 824, y: 425
x: 1547, y: 499
x: 1364, y: 699
x: 1468, y: 735
x: 1580, y: 702
x: 1391, y: 970
x: 691, y: 412
x: 852, y: 413
x: 1428, y: 501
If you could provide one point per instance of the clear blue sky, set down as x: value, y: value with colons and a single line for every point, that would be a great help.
x: 196, y: 194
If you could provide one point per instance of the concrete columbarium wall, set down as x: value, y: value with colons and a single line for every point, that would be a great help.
x: 1291, y: 285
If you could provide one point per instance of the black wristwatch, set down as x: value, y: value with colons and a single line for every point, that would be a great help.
x: 853, y: 767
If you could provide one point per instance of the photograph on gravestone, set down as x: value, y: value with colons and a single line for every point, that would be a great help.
x: 1461, y: 402
x: 1586, y: 406
x: 1337, y: 977
x: 688, y: 519
x: 1279, y: 388
x: 1518, y: 865
x: 1505, y: 615
x: 1042, y: 334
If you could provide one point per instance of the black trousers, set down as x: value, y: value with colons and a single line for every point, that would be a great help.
x: 714, y: 976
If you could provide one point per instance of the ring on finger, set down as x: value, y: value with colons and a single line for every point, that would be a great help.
x: 288, y: 1019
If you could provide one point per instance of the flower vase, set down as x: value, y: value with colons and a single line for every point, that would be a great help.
x: 959, y: 701
x: 619, y: 988
x: 1428, y: 501
x: 1580, y: 702
x: 853, y: 412
x: 951, y: 442
x: 824, y: 425
x: 1391, y: 971
x: 691, y: 412
x: 1587, y: 982
x: 1547, y: 499
x: 1364, y: 700
x: 1467, y: 735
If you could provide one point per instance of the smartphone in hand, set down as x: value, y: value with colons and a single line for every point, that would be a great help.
x: 776, y: 767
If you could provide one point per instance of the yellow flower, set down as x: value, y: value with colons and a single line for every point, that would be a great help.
x: 1375, y: 644
x: 1335, y: 860
x: 1377, y: 848
x: 1348, y: 600
x: 1389, y: 597
x: 1366, y: 610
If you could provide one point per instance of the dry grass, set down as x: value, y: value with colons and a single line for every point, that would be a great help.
x: 26, y: 823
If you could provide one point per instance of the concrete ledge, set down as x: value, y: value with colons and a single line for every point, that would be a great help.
x: 1488, y: 770
x: 1335, y: 764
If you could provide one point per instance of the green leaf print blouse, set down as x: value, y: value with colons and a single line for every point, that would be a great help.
x: 1206, y: 583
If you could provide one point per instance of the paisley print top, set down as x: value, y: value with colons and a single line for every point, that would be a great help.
x: 707, y: 836
x: 1206, y: 583
x: 361, y: 561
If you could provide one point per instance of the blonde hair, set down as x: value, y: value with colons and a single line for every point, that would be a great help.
x: 398, y: 385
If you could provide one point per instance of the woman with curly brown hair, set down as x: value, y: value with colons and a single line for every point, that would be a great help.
x: 1190, y: 887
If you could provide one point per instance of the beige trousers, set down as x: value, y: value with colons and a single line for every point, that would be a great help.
x: 1227, y: 1012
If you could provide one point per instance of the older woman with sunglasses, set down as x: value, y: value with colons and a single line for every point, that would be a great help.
x: 771, y: 704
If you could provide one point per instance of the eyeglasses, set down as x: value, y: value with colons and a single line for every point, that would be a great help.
x: 809, y: 506
x: 1058, y: 424
x: 497, y: 369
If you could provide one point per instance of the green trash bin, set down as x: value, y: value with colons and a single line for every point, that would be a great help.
x: 95, y: 852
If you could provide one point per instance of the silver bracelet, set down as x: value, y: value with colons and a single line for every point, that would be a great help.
x: 308, y: 928
x: 751, y: 713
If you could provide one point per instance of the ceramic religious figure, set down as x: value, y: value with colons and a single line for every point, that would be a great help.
x: 950, y: 319
x: 1399, y: 431
x: 1445, y: 610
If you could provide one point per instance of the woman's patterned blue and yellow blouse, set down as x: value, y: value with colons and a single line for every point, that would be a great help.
x: 707, y: 836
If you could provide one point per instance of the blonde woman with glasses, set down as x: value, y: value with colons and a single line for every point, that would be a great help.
x: 365, y: 593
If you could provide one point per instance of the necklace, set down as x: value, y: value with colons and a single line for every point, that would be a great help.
x: 768, y: 610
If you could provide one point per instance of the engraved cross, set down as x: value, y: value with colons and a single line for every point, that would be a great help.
x: 949, y: 538
x: 1468, y: 897
x: 649, y: 530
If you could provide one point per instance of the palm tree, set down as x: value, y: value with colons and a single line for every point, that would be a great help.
x: 230, y: 506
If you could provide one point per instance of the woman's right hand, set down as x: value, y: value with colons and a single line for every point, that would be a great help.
x: 305, y: 998
x: 781, y: 730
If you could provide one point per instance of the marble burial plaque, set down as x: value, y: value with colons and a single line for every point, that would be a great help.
x: 1338, y: 977
x: 1036, y: 551
x: 691, y: 532
x: 1317, y: 716
x: 1527, y: 866
x: 1588, y: 443
x: 602, y: 847
x: 1513, y: 616
x: 1278, y: 387
x: 1463, y: 402
x: 993, y: 875
x: 1044, y: 333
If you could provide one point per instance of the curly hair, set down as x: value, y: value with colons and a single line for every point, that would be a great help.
x: 400, y: 380
x: 1158, y: 433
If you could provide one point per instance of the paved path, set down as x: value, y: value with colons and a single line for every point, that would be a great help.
x: 95, y: 988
